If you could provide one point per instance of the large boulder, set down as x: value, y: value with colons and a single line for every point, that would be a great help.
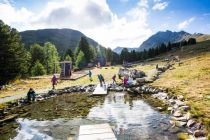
x: 140, y: 80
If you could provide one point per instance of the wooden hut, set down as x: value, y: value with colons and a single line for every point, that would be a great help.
x: 66, y: 69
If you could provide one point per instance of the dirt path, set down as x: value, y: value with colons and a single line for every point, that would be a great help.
x: 21, y: 95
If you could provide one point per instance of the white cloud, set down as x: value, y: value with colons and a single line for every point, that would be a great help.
x: 92, y: 17
x: 186, y: 23
x: 159, y: 5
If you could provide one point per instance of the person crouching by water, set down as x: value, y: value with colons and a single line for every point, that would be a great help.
x: 54, y: 81
x: 31, y: 95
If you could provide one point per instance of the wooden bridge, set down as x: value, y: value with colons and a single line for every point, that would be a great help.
x: 96, y: 132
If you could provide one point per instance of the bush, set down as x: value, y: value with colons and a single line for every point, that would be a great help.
x: 38, y: 69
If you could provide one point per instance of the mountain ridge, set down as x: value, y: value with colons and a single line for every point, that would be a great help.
x: 61, y: 38
x: 169, y: 36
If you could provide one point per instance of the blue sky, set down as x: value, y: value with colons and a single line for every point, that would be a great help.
x: 112, y: 23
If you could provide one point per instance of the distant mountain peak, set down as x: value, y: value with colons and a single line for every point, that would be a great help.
x: 119, y: 49
x: 163, y: 37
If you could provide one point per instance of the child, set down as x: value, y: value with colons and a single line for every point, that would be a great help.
x: 54, y: 81
x: 114, y: 79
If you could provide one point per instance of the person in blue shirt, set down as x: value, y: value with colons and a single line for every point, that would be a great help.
x: 31, y: 95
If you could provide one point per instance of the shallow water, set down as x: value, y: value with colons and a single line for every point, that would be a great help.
x: 130, y: 120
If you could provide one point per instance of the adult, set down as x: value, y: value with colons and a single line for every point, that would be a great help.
x: 54, y: 81
x: 31, y: 95
x: 100, y: 80
x: 90, y: 76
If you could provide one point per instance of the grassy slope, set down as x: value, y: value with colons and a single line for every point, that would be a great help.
x: 191, y: 79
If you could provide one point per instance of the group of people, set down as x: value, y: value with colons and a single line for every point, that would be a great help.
x: 127, y: 80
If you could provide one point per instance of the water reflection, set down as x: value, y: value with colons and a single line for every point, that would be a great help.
x: 130, y: 120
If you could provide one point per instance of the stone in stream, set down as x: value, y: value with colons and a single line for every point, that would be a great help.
x: 183, y: 119
x: 160, y: 109
x: 190, y: 123
x: 180, y: 123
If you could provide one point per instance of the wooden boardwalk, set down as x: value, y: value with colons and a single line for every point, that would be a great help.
x: 100, y: 90
x: 96, y: 132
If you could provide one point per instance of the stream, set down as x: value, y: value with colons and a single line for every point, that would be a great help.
x: 129, y: 119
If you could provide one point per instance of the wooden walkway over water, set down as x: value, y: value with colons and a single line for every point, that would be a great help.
x: 100, y: 90
x: 96, y: 132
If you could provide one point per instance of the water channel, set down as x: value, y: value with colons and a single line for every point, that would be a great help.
x: 130, y: 120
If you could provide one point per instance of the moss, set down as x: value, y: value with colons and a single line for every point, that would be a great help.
x: 183, y: 136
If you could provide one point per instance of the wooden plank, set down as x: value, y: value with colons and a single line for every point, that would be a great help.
x: 100, y: 90
x: 96, y: 132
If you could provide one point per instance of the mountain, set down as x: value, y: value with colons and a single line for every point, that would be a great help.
x: 163, y: 37
x: 61, y: 38
x: 119, y: 49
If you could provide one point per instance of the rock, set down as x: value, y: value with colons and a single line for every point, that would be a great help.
x: 183, y: 119
x: 160, y: 109
x: 180, y: 123
x: 177, y: 114
x: 48, y: 132
x: 140, y: 80
x: 197, y: 126
x: 181, y: 97
x: 199, y: 133
x: 1, y: 112
x: 190, y: 123
x: 170, y: 108
x: 188, y: 115
x: 160, y: 95
x: 180, y: 103
x: 172, y: 101
x: 185, y: 108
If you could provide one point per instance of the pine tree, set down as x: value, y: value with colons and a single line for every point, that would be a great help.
x: 70, y: 53
x: 13, y: 56
x: 109, y: 55
x: 51, y: 58
x: 86, y: 49
x: 124, y: 55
